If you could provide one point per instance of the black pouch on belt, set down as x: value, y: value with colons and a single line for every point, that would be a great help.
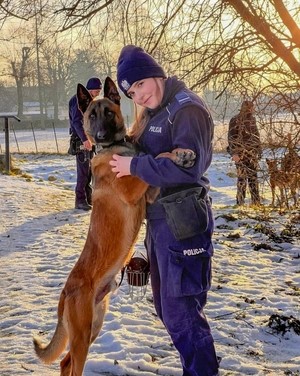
x: 186, y: 212
x: 75, y: 144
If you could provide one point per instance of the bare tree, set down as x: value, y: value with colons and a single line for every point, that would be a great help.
x: 226, y: 37
x: 20, y: 9
x: 57, y: 61
x: 229, y: 49
x: 225, y: 40
x: 274, y: 35
x: 19, y: 73
x: 226, y: 50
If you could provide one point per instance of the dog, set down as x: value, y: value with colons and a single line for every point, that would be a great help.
x: 284, y: 180
x: 290, y: 164
x: 117, y: 215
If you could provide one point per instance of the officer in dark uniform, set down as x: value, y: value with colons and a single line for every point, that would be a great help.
x: 245, y: 148
x: 179, y: 229
x: 82, y: 148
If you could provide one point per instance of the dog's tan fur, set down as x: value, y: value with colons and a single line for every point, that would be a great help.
x: 117, y: 214
x: 291, y: 166
x: 285, y: 180
x: 116, y: 217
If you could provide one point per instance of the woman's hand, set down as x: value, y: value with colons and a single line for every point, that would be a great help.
x: 121, y: 165
x: 236, y: 158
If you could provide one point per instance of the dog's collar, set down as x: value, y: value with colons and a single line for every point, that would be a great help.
x: 99, y: 147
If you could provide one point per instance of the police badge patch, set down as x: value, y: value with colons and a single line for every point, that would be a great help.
x: 125, y: 85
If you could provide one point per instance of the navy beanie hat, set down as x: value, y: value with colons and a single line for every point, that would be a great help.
x: 135, y: 64
x: 94, y: 83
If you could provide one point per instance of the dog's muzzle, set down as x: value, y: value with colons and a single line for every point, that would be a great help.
x: 100, y: 136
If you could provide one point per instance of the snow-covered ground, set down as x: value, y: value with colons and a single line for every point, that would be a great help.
x: 256, y: 273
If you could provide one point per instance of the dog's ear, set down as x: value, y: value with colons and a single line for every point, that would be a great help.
x: 84, y: 98
x: 111, y: 91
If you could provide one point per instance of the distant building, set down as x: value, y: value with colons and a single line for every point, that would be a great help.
x: 32, y: 109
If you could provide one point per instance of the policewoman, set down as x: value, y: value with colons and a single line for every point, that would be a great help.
x: 179, y: 222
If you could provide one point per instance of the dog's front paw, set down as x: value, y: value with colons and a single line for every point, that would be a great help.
x: 185, y: 157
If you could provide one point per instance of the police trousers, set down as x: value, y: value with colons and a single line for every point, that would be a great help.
x: 247, y: 173
x: 180, y: 278
x: 83, y: 189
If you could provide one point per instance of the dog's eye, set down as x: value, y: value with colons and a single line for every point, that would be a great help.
x: 110, y: 114
x: 92, y: 116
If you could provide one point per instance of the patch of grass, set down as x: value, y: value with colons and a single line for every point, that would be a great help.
x: 14, y: 171
x: 52, y: 178
x: 231, y: 174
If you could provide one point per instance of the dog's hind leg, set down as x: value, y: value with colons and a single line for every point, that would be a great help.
x: 73, y: 363
x: 80, y: 320
x: 99, y: 313
x: 65, y: 365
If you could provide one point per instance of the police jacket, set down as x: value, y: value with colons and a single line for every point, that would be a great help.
x: 181, y: 121
x: 76, y: 119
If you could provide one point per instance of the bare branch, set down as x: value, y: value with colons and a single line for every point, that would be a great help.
x: 87, y: 11
x: 288, y: 21
x: 263, y: 28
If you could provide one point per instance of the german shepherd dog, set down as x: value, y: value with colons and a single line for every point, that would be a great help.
x: 117, y: 214
x: 285, y: 179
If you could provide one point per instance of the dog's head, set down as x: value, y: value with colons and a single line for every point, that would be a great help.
x: 103, y: 120
x: 272, y: 164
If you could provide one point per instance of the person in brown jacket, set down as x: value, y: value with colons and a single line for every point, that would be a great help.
x: 245, y: 148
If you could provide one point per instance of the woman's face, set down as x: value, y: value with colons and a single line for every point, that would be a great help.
x: 147, y: 92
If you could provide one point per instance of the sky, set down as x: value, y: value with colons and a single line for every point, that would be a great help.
x: 256, y: 274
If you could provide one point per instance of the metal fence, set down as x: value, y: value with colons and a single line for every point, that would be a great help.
x: 34, y: 140
x: 56, y: 139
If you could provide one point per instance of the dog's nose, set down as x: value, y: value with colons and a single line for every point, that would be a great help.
x: 100, y: 135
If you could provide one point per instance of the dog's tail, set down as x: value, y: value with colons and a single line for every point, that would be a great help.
x: 48, y: 353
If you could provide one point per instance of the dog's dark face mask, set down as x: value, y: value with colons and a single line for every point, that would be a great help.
x: 103, y: 121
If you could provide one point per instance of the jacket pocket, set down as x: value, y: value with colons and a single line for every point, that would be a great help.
x: 188, y: 274
x: 186, y: 212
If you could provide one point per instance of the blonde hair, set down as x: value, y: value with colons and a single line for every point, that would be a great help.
x: 139, y: 124
x: 142, y: 117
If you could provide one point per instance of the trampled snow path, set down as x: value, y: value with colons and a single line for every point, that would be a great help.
x: 42, y: 236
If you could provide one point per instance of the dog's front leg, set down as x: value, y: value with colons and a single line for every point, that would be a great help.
x: 130, y: 189
x: 181, y: 157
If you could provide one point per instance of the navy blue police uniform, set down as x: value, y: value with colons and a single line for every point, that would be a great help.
x: 180, y: 269
x: 83, y: 189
